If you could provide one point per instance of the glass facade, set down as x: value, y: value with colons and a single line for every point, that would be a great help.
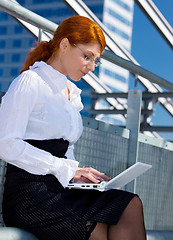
x: 17, y: 43
x: 123, y: 5
x: 2, y: 44
x: 2, y: 57
x: 1, y: 73
x: 116, y: 30
x: 118, y: 16
x: 18, y: 29
x: 16, y: 46
x: 114, y: 75
x: 49, y: 13
x: 3, y: 30
x: 14, y: 72
x: 3, y: 16
x: 15, y: 57
x: 44, y: 1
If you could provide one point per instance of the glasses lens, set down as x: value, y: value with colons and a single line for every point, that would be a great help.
x: 97, y: 63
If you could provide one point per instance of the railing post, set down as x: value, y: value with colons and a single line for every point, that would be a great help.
x: 40, y: 34
x: 133, y: 124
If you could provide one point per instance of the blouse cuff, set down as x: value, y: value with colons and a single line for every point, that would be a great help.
x: 64, y: 170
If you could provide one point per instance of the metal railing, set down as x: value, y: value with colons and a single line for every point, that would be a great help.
x: 131, y: 148
x: 150, y: 9
x: 20, y: 12
x: 117, y: 50
x: 150, y: 80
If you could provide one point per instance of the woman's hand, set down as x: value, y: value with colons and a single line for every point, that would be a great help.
x: 89, y: 175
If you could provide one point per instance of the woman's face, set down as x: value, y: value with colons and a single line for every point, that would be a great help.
x: 75, y: 61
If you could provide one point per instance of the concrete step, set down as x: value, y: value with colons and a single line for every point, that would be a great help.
x: 159, y: 235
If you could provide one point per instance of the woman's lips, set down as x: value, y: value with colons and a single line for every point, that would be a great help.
x: 83, y: 73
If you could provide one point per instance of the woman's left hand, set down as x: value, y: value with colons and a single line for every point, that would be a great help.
x: 89, y: 175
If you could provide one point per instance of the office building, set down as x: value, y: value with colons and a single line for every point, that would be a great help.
x: 15, y: 41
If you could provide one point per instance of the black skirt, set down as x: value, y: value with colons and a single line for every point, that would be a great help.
x: 40, y: 205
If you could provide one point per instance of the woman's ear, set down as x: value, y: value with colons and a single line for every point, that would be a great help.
x: 64, y: 44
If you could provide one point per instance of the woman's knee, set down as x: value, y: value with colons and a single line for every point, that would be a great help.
x: 100, y: 232
x: 133, y: 213
x: 137, y: 203
x: 134, y: 209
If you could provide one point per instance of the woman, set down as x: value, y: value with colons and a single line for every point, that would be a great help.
x: 40, y: 122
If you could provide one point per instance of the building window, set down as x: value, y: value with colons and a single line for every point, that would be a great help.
x: 21, y: 2
x: 3, y: 16
x: 122, y: 4
x: 44, y: 12
x: 31, y: 42
x: 15, y: 57
x: 14, y: 72
x: 3, y: 30
x: 114, y: 75
x: 44, y: 1
x: 37, y: 1
x: 18, y: 29
x: 61, y: 12
x: 2, y: 43
x: 118, y: 16
x: 97, y: 9
x: 2, y: 58
x: 1, y: 72
x: 17, y: 43
x: 117, y: 31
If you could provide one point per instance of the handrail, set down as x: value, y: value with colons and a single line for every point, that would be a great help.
x: 150, y: 9
x: 80, y: 8
x: 18, y: 11
x: 137, y: 69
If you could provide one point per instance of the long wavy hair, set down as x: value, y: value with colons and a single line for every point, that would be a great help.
x: 77, y: 29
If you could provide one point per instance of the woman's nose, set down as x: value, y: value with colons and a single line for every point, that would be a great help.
x: 91, y: 66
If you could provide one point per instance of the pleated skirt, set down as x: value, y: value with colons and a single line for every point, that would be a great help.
x: 40, y: 205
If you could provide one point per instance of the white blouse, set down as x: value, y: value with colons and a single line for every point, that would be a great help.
x: 35, y: 107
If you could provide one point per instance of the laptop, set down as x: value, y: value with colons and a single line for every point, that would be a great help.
x: 117, y: 182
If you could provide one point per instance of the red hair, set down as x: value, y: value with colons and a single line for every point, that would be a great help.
x: 77, y: 29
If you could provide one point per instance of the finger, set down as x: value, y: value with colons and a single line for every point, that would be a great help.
x: 100, y: 175
x: 105, y: 177
x: 90, y: 177
x: 84, y: 174
x: 86, y: 180
x: 93, y: 175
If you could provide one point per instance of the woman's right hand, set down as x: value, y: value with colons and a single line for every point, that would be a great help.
x: 89, y: 175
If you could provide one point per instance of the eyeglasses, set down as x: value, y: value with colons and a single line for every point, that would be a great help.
x: 89, y: 59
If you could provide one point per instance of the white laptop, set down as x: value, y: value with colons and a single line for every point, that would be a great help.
x: 117, y: 182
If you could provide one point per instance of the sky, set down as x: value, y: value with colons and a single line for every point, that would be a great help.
x: 153, y: 53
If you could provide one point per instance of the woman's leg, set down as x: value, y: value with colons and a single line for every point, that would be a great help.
x: 131, y: 224
x: 100, y: 232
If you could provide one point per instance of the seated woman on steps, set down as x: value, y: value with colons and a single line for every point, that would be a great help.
x: 40, y: 123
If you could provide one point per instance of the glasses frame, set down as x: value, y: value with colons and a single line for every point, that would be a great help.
x: 97, y: 62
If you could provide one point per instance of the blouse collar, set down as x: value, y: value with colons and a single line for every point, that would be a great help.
x: 56, y: 80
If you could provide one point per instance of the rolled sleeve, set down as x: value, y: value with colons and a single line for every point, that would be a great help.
x: 64, y: 170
